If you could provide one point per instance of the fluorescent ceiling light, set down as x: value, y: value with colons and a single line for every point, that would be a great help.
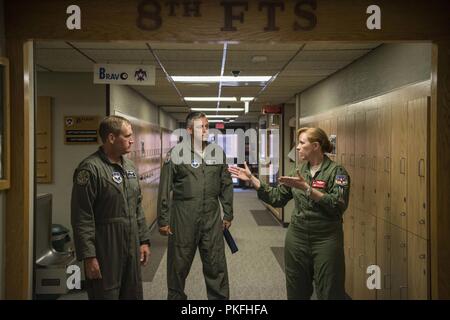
x: 215, y: 121
x: 210, y: 99
x: 247, y: 99
x: 215, y: 109
x: 247, y: 104
x: 222, y: 116
x: 209, y: 79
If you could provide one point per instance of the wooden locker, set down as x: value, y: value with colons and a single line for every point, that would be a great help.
x: 399, y: 168
x: 370, y: 243
x: 360, y: 166
x: 349, y: 227
x: 370, y: 203
x: 417, y: 201
x: 359, y: 279
x: 350, y: 160
x: 340, y: 141
x: 384, y: 258
x: 383, y: 179
x: 399, y: 263
x: 418, y: 273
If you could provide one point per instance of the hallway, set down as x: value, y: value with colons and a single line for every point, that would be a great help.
x: 256, y: 271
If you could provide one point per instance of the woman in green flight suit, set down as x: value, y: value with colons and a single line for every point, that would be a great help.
x: 314, y: 248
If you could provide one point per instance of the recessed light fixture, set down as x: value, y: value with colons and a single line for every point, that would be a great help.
x: 207, y: 99
x: 247, y: 99
x: 222, y: 116
x: 258, y: 59
x: 209, y: 79
x: 215, y: 109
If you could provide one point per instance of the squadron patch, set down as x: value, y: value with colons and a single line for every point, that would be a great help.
x: 83, y: 177
x: 195, y: 164
x: 117, y: 177
x: 131, y: 174
x: 341, y: 180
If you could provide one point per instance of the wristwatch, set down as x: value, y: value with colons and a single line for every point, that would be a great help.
x: 308, y: 191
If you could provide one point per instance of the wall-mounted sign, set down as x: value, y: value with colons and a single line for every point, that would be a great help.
x: 81, y: 129
x: 137, y: 75
x: 272, y: 109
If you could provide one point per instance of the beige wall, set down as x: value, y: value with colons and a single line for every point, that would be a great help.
x: 2, y: 194
x: 73, y: 94
x: 130, y: 102
x: 384, y: 69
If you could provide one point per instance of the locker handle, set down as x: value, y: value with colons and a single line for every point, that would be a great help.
x: 421, y: 168
x: 402, y: 165
x: 422, y: 256
x: 402, y: 288
x: 374, y: 163
x: 352, y: 160
x: 422, y: 221
x: 387, y: 164
x: 361, y: 161
x: 343, y: 158
x: 359, y: 261
x: 387, y: 284
x: 403, y: 213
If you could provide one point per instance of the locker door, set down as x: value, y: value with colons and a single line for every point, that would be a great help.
x: 399, y: 263
x: 349, y: 252
x: 417, y: 202
x: 360, y: 166
x: 370, y: 204
x: 340, y: 141
x: 399, y: 141
x: 384, y: 258
x: 370, y: 243
x: 383, y: 188
x: 350, y: 157
x: 418, y: 273
x: 359, y: 281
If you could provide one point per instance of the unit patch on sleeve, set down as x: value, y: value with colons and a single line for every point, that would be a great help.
x: 341, y: 180
x: 83, y: 177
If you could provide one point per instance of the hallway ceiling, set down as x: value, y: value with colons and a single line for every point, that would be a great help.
x: 297, y: 66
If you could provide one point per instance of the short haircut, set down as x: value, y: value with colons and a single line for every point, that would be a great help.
x: 193, y: 116
x: 111, y: 124
x: 317, y: 135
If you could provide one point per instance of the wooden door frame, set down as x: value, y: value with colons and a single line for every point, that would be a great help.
x: 425, y: 21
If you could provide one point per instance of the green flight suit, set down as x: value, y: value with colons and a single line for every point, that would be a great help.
x: 108, y: 223
x: 314, y: 248
x: 193, y: 214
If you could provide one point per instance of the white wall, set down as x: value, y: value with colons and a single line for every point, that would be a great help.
x: 386, y: 68
x: 166, y: 121
x: 2, y: 194
x: 73, y: 94
x: 130, y: 102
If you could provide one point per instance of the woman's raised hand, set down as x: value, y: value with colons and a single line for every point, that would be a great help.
x: 243, y: 174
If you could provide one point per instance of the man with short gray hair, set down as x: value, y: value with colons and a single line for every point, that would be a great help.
x: 191, y: 217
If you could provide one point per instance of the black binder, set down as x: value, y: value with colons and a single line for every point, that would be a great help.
x: 230, y: 241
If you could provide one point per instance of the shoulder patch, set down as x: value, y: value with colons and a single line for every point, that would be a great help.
x: 341, y: 180
x: 83, y: 177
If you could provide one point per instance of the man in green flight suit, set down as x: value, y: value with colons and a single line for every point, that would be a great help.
x: 109, y: 227
x: 191, y: 218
